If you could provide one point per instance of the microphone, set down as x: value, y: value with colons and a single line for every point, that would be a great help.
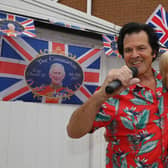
x: 115, y: 84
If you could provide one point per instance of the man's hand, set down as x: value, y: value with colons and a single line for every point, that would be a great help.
x: 124, y: 74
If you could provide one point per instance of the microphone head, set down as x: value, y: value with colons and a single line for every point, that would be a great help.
x: 134, y: 71
x: 111, y: 87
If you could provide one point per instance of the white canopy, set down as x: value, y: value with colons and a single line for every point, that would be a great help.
x: 52, y: 11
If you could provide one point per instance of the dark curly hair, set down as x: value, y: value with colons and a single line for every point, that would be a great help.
x: 134, y: 27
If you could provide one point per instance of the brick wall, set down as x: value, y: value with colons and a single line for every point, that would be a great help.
x: 119, y: 12
x: 122, y: 11
x: 76, y: 4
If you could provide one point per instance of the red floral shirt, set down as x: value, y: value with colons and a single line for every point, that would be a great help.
x: 135, y: 123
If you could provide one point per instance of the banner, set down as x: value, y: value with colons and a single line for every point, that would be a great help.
x: 159, y: 21
x: 13, y: 25
x: 44, y: 71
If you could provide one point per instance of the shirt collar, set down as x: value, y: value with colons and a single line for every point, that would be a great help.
x: 158, y: 79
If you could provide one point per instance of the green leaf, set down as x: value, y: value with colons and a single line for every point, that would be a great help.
x: 161, y: 109
x: 124, y: 155
x: 138, y: 101
x: 124, y: 164
x: 116, y: 105
x: 154, y: 165
x: 158, y: 83
x: 111, y: 101
x: 107, y: 160
x: 125, y: 92
x: 143, y: 119
x: 149, y: 146
x: 147, y: 138
x: 114, y: 160
x: 127, y: 123
x: 157, y: 122
x: 102, y: 117
x: 149, y: 96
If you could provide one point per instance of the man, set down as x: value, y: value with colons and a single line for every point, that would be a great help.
x: 163, y: 66
x: 134, y: 114
x: 55, y: 91
x: 57, y: 75
x: 11, y: 30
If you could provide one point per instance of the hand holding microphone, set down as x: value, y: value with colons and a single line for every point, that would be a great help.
x: 115, y: 84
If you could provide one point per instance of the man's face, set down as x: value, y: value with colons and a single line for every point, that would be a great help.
x: 138, y: 52
x: 57, y: 75
x: 11, y: 27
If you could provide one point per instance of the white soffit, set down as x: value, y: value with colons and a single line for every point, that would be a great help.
x: 50, y: 10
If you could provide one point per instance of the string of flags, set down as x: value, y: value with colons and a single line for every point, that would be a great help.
x: 67, y: 25
x: 14, y: 25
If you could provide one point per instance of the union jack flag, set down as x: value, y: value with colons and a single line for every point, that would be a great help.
x: 13, y: 25
x: 67, y: 25
x: 110, y: 45
x: 62, y: 24
x: 162, y: 50
x: 16, y: 55
x: 159, y: 21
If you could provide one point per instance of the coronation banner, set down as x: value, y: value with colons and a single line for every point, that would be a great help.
x: 35, y: 70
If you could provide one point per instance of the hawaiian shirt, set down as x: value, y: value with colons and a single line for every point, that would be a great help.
x: 136, y: 124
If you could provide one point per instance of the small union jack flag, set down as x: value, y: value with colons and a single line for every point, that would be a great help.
x: 110, y: 45
x: 13, y: 25
x: 162, y: 50
x: 159, y: 21
x: 67, y: 25
x: 18, y: 54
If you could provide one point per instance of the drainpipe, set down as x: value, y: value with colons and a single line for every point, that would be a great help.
x: 54, y: 0
x: 89, y: 7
